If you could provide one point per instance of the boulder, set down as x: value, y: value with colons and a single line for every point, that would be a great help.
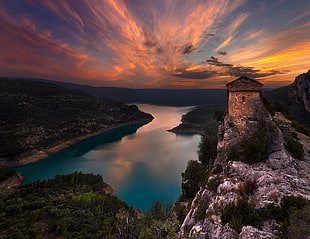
x: 254, y: 233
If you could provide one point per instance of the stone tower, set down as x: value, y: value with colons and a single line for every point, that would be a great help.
x: 245, y: 113
x: 244, y: 101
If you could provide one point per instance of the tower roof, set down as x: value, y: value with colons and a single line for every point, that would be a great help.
x: 244, y: 84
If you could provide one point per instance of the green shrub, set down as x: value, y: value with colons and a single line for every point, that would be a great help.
x: 214, y: 183
x: 275, y: 107
x: 294, y: 147
x: 159, y: 210
x: 242, y: 214
x: 255, y: 147
x: 194, y: 176
x: 219, y: 115
x: 300, y: 128
x: 217, y: 169
x: 156, y: 223
x: 200, y: 213
x: 5, y: 173
x: 180, y: 210
x: 293, y: 214
x: 208, y: 150
x: 299, y: 222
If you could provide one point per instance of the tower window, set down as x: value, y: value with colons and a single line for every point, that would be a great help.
x: 243, y: 99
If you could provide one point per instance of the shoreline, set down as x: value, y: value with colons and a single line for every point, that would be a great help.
x: 188, y: 128
x: 188, y: 131
x: 44, y: 153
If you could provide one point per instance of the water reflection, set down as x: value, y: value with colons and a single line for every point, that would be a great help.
x: 142, y: 166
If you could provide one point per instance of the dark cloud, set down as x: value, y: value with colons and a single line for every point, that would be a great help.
x: 187, y: 49
x: 238, y: 71
x: 215, y: 62
x: 207, y: 35
x: 250, y: 72
x: 228, y: 70
x: 196, y: 74
x: 223, y: 53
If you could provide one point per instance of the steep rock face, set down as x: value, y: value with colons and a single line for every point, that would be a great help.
x: 299, y: 91
x: 281, y: 175
x: 233, y: 130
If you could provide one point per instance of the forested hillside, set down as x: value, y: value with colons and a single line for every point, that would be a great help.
x: 75, y: 206
x: 36, y: 116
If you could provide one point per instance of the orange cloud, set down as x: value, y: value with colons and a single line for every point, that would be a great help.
x: 153, y: 43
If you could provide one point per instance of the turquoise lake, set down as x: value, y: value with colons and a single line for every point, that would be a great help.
x: 142, y: 163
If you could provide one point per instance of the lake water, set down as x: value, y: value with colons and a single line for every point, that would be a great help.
x: 142, y: 163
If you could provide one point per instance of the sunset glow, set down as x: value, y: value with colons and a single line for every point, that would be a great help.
x: 155, y: 44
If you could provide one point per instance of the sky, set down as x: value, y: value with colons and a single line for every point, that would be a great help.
x: 155, y: 43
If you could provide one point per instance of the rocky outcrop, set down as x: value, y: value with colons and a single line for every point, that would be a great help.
x: 260, y: 183
x: 234, y: 130
x: 254, y: 233
x: 299, y: 91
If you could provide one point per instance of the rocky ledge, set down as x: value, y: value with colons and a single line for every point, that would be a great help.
x: 259, y: 183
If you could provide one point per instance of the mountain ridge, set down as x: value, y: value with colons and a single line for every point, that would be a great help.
x: 169, y: 97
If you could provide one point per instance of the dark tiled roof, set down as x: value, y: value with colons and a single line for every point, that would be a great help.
x: 244, y: 84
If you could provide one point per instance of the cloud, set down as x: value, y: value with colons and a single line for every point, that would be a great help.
x: 219, y: 69
x: 254, y: 34
x: 232, y: 29
x: 215, y: 62
x: 187, y: 49
x: 224, y: 44
x: 153, y: 43
x: 223, y: 53
x: 196, y: 74
x: 233, y: 70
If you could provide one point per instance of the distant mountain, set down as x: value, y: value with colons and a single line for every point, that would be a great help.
x: 296, y: 97
x: 36, y: 116
x: 169, y: 97
x: 299, y: 91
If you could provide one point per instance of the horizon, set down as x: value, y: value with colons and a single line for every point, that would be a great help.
x: 139, y: 44
x: 89, y: 85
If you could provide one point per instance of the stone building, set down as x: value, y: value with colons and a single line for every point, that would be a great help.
x: 244, y: 97
x: 245, y: 112
x: 244, y: 101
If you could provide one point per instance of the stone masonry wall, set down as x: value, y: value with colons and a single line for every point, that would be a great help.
x: 244, y: 104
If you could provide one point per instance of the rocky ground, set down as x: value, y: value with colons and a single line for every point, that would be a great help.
x: 12, y: 181
x: 281, y: 175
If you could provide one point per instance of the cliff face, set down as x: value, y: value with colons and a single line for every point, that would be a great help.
x: 259, y: 183
x: 299, y: 91
x: 236, y: 129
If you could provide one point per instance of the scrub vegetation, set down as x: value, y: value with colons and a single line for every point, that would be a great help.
x: 36, y: 115
x: 294, y: 215
x: 75, y: 206
x: 5, y: 173
x: 253, y: 148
